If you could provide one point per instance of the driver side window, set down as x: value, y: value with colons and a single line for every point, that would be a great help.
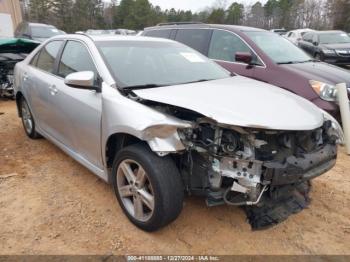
x: 75, y: 58
x: 224, y: 46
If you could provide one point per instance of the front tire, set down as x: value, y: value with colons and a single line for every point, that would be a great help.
x: 28, y: 120
x: 148, y: 187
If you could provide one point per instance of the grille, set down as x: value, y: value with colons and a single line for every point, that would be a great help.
x: 343, y: 52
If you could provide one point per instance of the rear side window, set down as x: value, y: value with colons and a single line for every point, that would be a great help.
x: 158, y: 33
x: 75, y: 58
x: 196, y: 38
x: 224, y: 46
x: 47, y: 57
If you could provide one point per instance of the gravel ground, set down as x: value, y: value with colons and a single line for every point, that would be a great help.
x: 49, y: 204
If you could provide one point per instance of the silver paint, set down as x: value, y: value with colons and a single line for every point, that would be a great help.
x: 80, y: 122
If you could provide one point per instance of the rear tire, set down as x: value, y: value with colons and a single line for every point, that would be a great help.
x: 272, y: 211
x: 28, y: 120
x: 158, y: 199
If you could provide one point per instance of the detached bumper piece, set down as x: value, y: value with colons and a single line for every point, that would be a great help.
x: 290, y: 186
x: 303, y: 168
x: 274, y: 210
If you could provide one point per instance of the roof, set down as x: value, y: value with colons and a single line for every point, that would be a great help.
x: 201, y: 25
x: 39, y: 24
x: 110, y: 37
x: 330, y: 32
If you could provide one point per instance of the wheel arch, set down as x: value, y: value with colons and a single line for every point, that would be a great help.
x: 18, y: 98
x: 115, y: 143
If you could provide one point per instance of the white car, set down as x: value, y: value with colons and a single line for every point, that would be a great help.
x: 296, y: 35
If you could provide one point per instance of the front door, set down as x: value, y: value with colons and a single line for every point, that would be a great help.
x: 223, y: 48
x: 78, y: 111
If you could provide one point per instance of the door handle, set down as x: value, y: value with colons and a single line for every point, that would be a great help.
x: 25, y: 76
x: 53, y: 90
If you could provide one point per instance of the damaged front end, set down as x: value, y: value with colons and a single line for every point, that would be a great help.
x: 236, y: 166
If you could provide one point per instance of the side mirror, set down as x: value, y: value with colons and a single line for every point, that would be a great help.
x: 244, y: 57
x: 315, y: 43
x: 82, y: 80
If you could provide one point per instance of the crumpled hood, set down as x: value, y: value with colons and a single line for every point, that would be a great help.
x: 241, y: 101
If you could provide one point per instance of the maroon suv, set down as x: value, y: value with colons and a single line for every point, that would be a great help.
x: 261, y: 55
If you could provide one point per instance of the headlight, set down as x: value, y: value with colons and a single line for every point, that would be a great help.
x: 335, y: 129
x: 328, y: 51
x: 325, y: 91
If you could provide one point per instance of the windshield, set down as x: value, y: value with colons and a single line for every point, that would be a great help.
x: 279, y: 49
x: 139, y: 63
x: 334, y: 38
x: 44, y: 31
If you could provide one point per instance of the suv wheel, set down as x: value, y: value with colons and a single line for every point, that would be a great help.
x: 28, y: 120
x: 148, y: 187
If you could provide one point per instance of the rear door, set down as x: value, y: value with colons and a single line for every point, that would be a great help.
x: 198, y: 39
x: 223, y: 47
x: 37, y: 81
x: 78, y: 111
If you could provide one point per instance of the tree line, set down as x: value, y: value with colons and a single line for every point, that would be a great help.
x: 76, y: 15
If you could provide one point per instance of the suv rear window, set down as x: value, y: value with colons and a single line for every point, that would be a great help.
x: 158, y: 33
x: 196, y: 38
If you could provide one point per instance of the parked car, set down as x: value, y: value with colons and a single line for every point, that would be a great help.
x: 155, y: 136
x: 264, y: 56
x: 297, y: 35
x: 125, y: 32
x: 36, y: 31
x: 12, y: 51
x: 98, y: 32
x: 281, y: 31
x: 329, y: 46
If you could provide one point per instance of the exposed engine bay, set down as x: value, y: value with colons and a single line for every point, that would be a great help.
x: 236, y: 165
x: 12, y: 51
x: 7, y: 64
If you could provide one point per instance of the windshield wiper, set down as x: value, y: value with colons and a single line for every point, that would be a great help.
x: 286, y: 63
x: 146, y: 86
x: 297, y: 62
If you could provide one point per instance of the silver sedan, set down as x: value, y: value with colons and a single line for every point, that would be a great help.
x: 157, y: 119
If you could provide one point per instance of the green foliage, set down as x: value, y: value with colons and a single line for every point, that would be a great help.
x: 235, y: 14
x: 217, y: 16
x: 76, y: 15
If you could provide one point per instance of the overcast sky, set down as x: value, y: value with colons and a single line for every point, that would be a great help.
x: 195, y: 5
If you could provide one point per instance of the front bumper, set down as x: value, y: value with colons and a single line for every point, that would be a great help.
x: 337, y: 60
x: 299, y: 169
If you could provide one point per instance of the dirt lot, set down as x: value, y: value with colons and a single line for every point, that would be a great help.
x: 49, y: 204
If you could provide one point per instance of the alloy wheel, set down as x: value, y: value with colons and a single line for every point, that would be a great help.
x: 27, y: 118
x: 135, y: 190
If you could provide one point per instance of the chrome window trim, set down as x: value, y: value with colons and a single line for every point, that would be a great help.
x: 208, y: 28
x: 36, y: 53
x: 65, y: 40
